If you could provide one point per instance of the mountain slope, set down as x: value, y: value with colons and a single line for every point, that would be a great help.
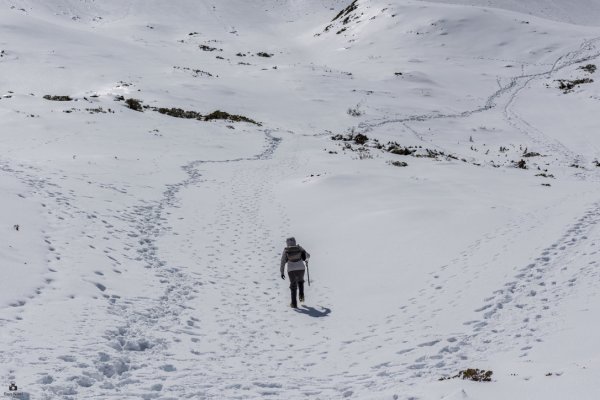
x: 581, y: 12
x: 155, y: 158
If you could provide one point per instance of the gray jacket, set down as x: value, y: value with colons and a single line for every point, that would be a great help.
x: 292, y: 265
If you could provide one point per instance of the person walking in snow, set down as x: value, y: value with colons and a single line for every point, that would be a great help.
x: 294, y: 256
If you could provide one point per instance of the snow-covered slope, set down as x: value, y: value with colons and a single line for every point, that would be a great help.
x: 582, y: 12
x: 146, y: 259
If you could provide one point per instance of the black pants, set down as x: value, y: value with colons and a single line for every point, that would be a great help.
x: 296, y: 284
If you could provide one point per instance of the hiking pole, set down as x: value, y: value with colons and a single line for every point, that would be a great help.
x: 307, y: 273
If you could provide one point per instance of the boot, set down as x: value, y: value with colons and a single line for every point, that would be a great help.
x: 294, y: 304
x: 301, y: 291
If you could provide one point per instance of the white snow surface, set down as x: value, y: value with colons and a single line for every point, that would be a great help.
x: 141, y: 251
x: 582, y: 12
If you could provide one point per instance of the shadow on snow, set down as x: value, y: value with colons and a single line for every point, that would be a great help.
x: 313, y: 312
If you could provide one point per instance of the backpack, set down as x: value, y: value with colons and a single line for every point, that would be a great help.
x: 295, y: 254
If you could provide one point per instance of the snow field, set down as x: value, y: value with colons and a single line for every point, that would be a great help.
x: 152, y: 243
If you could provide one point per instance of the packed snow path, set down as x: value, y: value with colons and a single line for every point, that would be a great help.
x: 218, y: 309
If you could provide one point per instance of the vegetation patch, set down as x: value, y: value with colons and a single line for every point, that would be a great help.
x: 360, y: 139
x: 175, y: 112
x: 392, y: 147
x: 264, y: 54
x: 567, y: 85
x: 204, y: 47
x: 545, y: 175
x: 399, y: 164
x: 340, y: 137
x: 355, y: 112
x: 179, y: 113
x: 351, y: 137
x: 591, y: 68
x: 472, y: 374
x: 58, y: 98
x: 477, y: 375
x: 218, y: 114
x: 395, y: 148
x: 521, y: 164
x: 99, y: 110
x: 195, y: 72
x: 134, y: 104
x: 364, y: 153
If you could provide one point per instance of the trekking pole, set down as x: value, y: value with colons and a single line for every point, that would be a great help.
x: 308, y: 273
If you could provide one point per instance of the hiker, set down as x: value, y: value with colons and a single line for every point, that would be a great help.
x: 294, y: 256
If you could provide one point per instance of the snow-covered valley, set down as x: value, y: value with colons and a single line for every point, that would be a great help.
x: 439, y: 161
